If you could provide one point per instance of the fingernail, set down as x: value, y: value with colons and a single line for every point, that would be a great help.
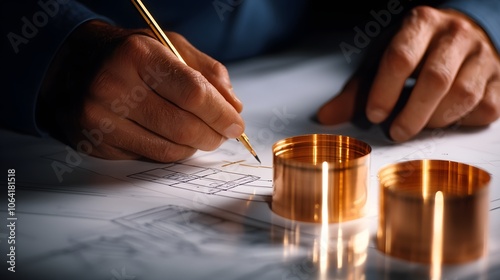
x: 398, y: 134
x: 376, y: 115
x: 233, y: 131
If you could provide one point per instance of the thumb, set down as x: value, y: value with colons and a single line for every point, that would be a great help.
x: 341, y: 108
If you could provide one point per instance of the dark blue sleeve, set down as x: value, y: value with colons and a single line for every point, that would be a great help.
x: 32, y: 32
x: 224, y: 29
x: 486, y: 13
x: 230, y: 30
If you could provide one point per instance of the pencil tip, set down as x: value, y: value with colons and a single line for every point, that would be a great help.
x: 257, y: 158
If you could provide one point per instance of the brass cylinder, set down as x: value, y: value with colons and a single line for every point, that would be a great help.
x: 433, y: 211
x: 298, y: 173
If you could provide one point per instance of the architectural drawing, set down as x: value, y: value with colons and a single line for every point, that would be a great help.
x: 198, y: 179
x: 209, y: 216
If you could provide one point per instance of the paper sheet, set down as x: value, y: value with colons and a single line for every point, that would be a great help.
x: 209, y: 217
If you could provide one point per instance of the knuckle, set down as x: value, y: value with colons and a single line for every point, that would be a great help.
x: 424, y: 14
x: 485, y: 51
x: 460, y: 27
x: 194, y: 92
x: 137, y: 49
x: 398, y: 59
x: 467, y: 91
x: 490, y: 110
x: 218, y: 69
x: 133, y: 45
x: 186, y: 134
x: 439, y: 77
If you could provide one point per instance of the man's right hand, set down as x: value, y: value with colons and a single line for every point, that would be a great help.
x: 141, y: 100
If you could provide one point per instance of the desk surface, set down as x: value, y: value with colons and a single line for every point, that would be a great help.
x: 208, y: 217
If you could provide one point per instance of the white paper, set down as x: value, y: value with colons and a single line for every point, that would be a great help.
x: 209, y: 216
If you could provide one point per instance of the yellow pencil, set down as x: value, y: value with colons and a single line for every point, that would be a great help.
x: 162, y: 37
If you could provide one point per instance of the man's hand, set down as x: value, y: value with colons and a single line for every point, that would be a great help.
x: 457, y: 72
x: 144, y: 100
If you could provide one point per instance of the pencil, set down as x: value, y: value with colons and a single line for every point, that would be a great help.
x: 162, y: 37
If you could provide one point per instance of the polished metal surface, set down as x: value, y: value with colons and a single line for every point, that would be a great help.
x: 331, y: 251
x: 433, y: 211
x: 320, y: 176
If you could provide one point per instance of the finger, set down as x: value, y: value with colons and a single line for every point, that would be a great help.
x: 91, y: 141
x: 488, y: 109
x: 134, y: 138
x: 214, y: 71
x: 162, y: 117
x: 399, y: 61
x: 464, y: 95
x: 124, y: 134
x: 139, y: 103
x: 189, y: 90
x: 340, y: 109
x: 443, y: 61
x: 106, y: 151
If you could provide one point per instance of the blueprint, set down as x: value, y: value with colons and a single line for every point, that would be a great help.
x: 210, y: 216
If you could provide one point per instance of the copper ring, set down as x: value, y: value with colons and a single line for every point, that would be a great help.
x: 433, y: 211
x: 298, y: 177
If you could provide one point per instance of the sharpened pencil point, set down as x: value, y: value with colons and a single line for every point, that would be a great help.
x: 257, y: 158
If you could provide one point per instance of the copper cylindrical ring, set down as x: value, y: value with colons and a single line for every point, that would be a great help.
x: 298, y: 177
x: 433, y: 210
